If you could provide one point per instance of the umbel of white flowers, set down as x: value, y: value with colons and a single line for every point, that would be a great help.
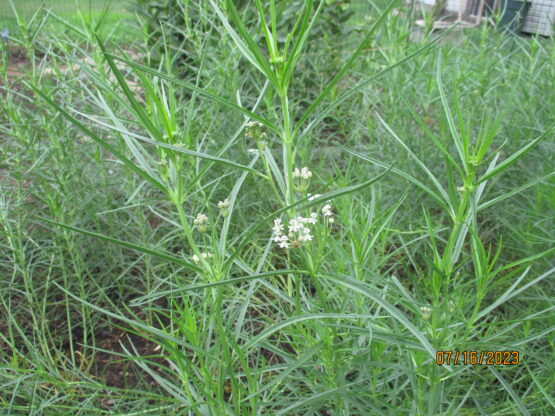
x: 302, y: 179
x: 426, y: 312
x: 223, y: 206
x: 254, y: 130
x: 205, y: 256
x: 201, y: 223
x: 298, y: 229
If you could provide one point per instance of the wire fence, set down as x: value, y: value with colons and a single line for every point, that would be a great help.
x: 540, y: 18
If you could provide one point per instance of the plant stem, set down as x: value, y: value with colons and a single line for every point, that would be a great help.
x: 288, y: 159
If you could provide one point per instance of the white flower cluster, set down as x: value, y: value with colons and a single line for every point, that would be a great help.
x: 298, y: 231
x: 303, y: 173
x: 251, y: 127
x: 327, y: 213
x: 205, y: 256
x: 426, y: 312
x: 224, y: 207
x: 201, y: 222
x: 302, y: 179
x: 254, y: 130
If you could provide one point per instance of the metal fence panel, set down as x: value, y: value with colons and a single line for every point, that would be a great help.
x: 540, y: 18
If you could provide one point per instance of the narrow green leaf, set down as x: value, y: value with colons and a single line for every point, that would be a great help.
x: 432, y: 177
x: 515, y: 191
x: 139, y: 111
x: 431, y: 136
x: 174, y: 148
x: 511, y: 292
x: 451, y: 122
x: 400, y: 173
x: 198, y: 90
x: 323, y: 396
x: 160, y: 294
x: 363, y: 289
x: 515, y: 156
x: 136, y: 324
x: 232, y: 199
x: 347, y: 65
x: 295, y: 319
x: 510, y: 390
x: 156, y: 253
x: 324, y: 113
x: 101, y: 142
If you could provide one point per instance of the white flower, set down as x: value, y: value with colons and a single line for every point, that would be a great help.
x: 201, y: 219
x: 313, y: 218
x: 295, y: 225
x: 205, y: 256
x: 326, y: 210
x: 278, y: 227
x: 306, y: 236
x: 201, y: 222
x: 253, y: 123
x: 223, y: 206
x: 426, y: 312
x: 313, y: 197
x: 253, y: 129
x: 283, y: 241
x: 302, y: 179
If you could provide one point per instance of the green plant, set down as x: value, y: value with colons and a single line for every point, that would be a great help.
x: 117, y: 297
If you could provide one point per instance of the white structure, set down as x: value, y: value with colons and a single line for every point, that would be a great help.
x: 539, y: 20
x: 454, y: 6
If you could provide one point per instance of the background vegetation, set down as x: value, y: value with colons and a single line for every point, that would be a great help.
x: 435, y: 154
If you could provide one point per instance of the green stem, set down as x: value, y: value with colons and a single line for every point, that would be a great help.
x: 288, y: 159
x: 447, y: 261
x: 188, y: 232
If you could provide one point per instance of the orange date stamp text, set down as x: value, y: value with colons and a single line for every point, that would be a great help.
x: 477, y: 357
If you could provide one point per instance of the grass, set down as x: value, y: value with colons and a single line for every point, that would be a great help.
x: 117, y: 16
x: 424, y: 225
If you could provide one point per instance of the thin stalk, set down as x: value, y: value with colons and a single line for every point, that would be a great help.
x: 288, y: 161
x: 188, y: 232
